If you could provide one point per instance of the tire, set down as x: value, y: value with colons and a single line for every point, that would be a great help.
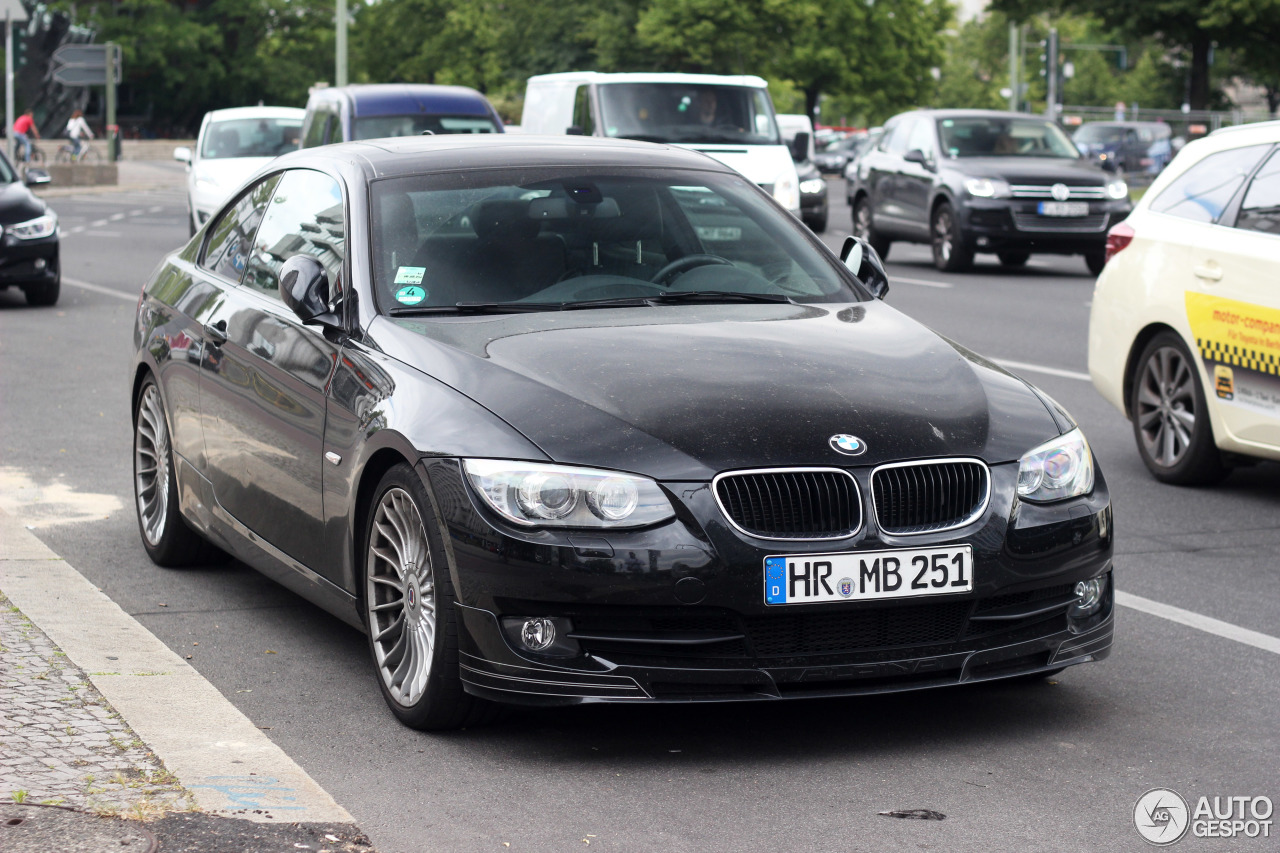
x: 63, y: 155
x: 1096, y: 261
x: 1170, y: 417
x: 166, y: 537
x: 408, y: 609
x: 44, y: 293
x: 90, y: 155
x: 951, y: 253
x: 863, y: 228
x: 1013, y: 259
x: 37, y: 157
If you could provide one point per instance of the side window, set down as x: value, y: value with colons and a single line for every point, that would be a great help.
x: 897, y: 142
x: 582, y: 111
x: 315, y: 131
x: 1202, y: 192
x: 305, y: 216
x: 231, y: 236
x: 1261, y: 208
x: 922, y: 138
x: 887, y: 134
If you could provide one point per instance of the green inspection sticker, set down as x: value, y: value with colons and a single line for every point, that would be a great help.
x: 410, y: 295
x: 410, y: 275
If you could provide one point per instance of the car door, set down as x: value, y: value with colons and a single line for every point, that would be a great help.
x: 1239, y: 302
x: 916, y: 180
x: 263, y: 407
x: 883, y: 172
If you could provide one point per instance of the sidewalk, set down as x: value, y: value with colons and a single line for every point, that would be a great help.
x: 133, y: 175
x: 109, y: 739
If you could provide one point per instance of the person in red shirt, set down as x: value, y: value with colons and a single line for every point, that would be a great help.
x: 25, y: 125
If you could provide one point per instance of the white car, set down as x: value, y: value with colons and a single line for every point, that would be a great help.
x: 1184, y: 334
x: 233, y: 144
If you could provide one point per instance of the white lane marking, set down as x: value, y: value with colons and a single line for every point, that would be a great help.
x: 116, y: 217
x: 138, y: 212
x: 1208, y: 624
x: 155, y: 209
x: 97, y: 288
x: 1040, y: 368
x: 98, y: 233
x: 922, y: 282
x: 98, y: 223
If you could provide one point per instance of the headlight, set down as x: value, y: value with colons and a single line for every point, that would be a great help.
x: 987, y: 188
x: 786, y: 192
x: 814, y: 185
x: 1056, y: 470
x: 34, y: 229
x: 533, y: 494
x: 1117, y: 190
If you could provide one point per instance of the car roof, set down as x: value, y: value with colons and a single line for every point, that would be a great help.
x: 1259, y: 131
x: 405, y: 155
x: 958, y: 113
x: 381, y: 99
x: 234, y: 113
x: 653, y: 77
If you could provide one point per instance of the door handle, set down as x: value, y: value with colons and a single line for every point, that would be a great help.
x: 216, y: 333
x: 1209, y: 273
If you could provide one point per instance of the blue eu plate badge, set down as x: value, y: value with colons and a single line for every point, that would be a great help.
x: 775, y: 580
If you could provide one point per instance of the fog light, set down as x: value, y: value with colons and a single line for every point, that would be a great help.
x: 39, y: 264
x: 538, y: 634
x: 1088, y: 597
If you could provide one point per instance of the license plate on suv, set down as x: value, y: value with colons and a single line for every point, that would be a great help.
x: 898, y: 573
x: 1064, y: 208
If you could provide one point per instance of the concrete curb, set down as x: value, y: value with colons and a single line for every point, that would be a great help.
x: 229, y: 766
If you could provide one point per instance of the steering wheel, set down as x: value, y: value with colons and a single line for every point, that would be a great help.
x: 688, y: 262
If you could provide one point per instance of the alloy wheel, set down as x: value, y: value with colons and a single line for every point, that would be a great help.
x: 1166, y: 406
x: 942, y: 242
x: 400, y: 597
x: 862, y: 221
x: 151, y: 465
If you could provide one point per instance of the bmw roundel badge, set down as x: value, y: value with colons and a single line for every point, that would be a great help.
x: 849, y: 445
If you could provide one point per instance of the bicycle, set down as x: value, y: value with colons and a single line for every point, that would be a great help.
x: 88, y: 154
x: 36, y: 158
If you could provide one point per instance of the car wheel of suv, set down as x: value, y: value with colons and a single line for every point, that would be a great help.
x: 409, y: 610
x: 44, y: 293
x: 1170, y: 416
x: 950, y: 251
x: 166, y: 537
x: 1096, y: 261
x: 863, y: 228
x: 1014, y: 259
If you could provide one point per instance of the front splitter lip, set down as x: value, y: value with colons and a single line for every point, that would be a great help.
x: 529, y: 684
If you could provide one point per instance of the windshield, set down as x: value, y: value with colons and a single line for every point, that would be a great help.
x: 553, y: 236
x: 1092, y: 133
x: 981, y: 136
x: 251, y: 137
x: 688, y: 113
x: 378, y: 127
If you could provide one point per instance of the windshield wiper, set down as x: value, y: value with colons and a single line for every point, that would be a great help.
x: 643, y: 137
x: 675, y: 297
x: 476, y: 308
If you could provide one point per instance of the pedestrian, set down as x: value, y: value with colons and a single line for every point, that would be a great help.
x: 24, y: 126
x: 78, y: 130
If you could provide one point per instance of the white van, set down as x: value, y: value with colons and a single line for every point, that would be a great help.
x: 728, y: 118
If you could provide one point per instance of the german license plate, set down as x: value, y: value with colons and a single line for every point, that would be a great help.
x: 1064, y: 208
x: 899, y: 573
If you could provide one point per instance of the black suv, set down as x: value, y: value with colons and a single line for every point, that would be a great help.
x: 970, y: 181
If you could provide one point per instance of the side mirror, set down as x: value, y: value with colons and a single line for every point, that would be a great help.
x: 1109, y: 164
x: 182, y: 154
x: 36, y: 177
x: 915, y: 155
x: 304, y: 287
x: 864, y: 262
x: 574, y: 130
x: 800, y: 147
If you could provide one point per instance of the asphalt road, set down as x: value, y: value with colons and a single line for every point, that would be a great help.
x: 1051, y: 766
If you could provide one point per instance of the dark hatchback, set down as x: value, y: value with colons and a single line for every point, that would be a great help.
x: 584, y: 420
x: 29, y: 256
x: 969, y: 181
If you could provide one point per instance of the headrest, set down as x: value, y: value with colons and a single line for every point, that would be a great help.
x: 503, y: 219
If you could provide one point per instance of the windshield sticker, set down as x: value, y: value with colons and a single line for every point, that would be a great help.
x: 410, y: 295
x: 410, y: 275
x: 1240, y: 345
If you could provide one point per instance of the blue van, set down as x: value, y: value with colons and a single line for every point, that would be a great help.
x: 344, y: 113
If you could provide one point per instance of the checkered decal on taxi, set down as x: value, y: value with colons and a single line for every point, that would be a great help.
x: 1250, y: 359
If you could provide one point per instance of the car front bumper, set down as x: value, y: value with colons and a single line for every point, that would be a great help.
x: 28, y: 261
x: 997, y: 225
x: 676, y: 612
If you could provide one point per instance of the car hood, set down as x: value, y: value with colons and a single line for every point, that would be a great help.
x: 230, y: 173
x: 684, y: 392
x: 18, y: 204
x: 1033, y: 170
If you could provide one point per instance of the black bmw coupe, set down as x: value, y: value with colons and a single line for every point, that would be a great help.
x: 583, y: 420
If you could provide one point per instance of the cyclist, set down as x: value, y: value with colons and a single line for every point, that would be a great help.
x: 24, y: 126
x: 77, y: 131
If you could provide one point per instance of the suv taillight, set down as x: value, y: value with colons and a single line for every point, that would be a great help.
x: 1118, y: 238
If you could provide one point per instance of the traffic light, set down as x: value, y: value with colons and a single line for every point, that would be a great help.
x: 19, y: 50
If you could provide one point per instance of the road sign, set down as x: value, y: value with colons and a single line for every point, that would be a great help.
x: 13, y: 10
x: 84, y: 64
x: 90, y: 55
